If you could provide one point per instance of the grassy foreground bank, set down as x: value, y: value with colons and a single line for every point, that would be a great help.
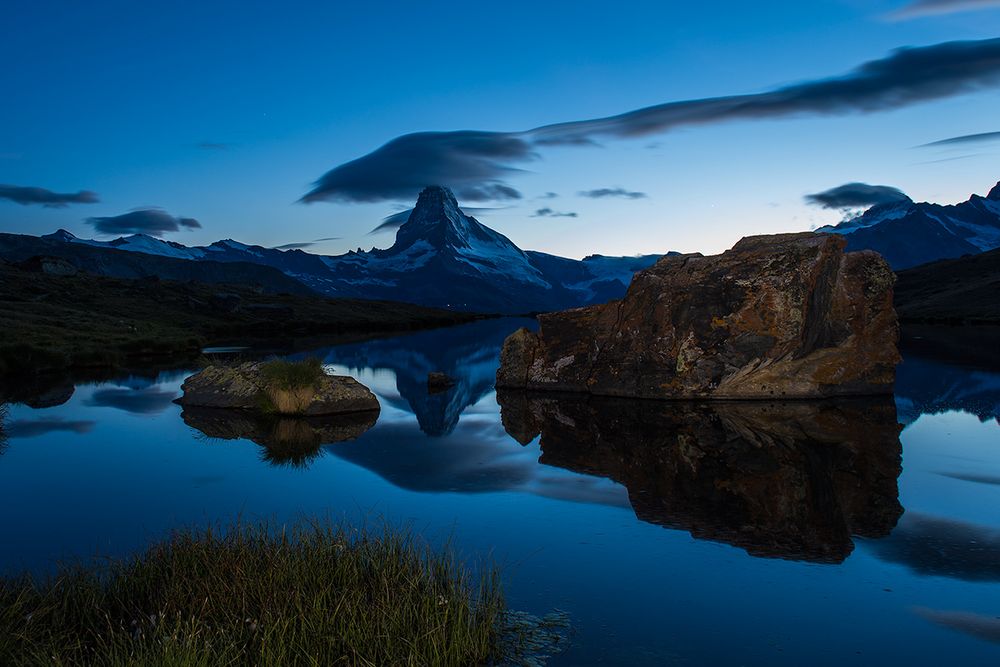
x: 312, y: 595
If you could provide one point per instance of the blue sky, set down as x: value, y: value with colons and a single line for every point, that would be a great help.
x: 229, y: 113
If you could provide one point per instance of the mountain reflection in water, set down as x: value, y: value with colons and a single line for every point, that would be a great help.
x: 788, y: 480
x: 469, y: 353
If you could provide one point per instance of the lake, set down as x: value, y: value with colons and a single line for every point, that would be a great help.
x: 831, y: 533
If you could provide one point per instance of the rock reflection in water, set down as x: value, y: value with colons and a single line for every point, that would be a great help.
x: 791, y: 480
x: 293, y: 441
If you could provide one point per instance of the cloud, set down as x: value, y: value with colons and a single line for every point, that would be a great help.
x: 547, y: 212
x: 602, y: 193
x: 964, y: 139
x: 549, y: 195
x: 152, y: 221
x: 149, y: 401
x: 394, y: 221
x: 33, y: 428
x: 305, y: 244
x: 976, y: 625
x: 951, y: 159
x: 920, y: 8
x: 977, y: 478
x: 474, y: 163
x: 906, y: 76
x: 25, y: 195
x: 470, y: 162
x: 932, y: 546
x: 853, y: 195
x: 213, y: 146
x: 487, y: 192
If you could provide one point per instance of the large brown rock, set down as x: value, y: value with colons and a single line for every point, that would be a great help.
x: 240, y: 387
x: 789, y: 315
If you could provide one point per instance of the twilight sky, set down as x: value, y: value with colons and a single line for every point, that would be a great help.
x: 309, y: 123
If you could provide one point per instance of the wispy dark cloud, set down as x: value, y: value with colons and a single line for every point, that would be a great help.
x: 964, y: 139
x: 394, y: 221
x: 951, y: 159
x: 475, y: 163
x: 919, y: 8
x: 943, y: 547
x: 305, y: 244
x: 967, y: 622
x: 549, y: 195
x: 470, y: 162
x: 547, y: 212
x: 26, y: 195
x: 213, y: 146
x: 977, y: 478
x: 601, y: 193
x: 149, y: 401
x: 854, y: 195
x: 33, y: 428
x: 152, y: 221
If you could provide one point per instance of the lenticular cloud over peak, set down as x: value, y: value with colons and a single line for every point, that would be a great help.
x: 476, y: 163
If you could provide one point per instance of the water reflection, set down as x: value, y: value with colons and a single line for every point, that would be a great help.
x: 469, y: 353
x: 928, y: 386
x: 786, y: 480
x: 149, y: 400
x: 980, y: 626
x: 50, y: 390
x: 943, y: 547
x: 33, y: 428
x: 293, y: 441
x: 949, y: 368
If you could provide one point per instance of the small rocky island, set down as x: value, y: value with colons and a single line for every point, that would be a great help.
x: 277, y: 387
x: 781, y: 316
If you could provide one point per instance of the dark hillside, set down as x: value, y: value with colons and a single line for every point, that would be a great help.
x: 50, y: 322
x: 955, y: 291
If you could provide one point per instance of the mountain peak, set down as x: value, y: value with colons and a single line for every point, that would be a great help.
x: 994, y: 194
x: 436, y: 203
x: 436, y: 196
x: 437, y: 219
x: 60, y: 235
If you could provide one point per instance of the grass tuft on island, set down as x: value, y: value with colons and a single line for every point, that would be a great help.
x: 289, y: 386
x: 312, y: 594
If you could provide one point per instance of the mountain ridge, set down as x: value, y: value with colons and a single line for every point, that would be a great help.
x: 909, y: 233
x: 441, y: 257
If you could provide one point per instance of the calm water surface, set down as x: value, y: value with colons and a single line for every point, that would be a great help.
x: 760, y: 534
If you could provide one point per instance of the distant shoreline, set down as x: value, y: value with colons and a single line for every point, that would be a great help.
x: 54, y: 323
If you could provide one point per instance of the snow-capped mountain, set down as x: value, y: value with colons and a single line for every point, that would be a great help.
x: 909, y: 233
x: 441, y: 257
